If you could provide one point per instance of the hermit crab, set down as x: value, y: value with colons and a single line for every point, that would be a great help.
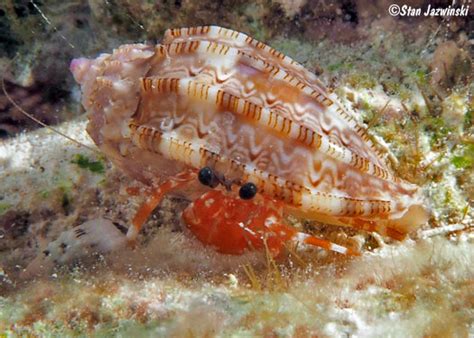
x: 213, y: 112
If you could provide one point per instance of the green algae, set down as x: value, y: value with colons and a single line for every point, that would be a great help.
x: 465, y: 158
x: 340, y: 66
x: 420, y: 76
x: 84, y: 162
x: 361, y: 80
x: 4, y: 207
x: 438, y: 130
x: 297, y: 49
x: 45, y: 194
x: 468, y: 119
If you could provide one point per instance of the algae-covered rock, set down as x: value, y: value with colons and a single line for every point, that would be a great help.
x: 450, y: 65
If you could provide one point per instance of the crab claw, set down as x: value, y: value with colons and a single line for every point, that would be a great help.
x: 79, y: 68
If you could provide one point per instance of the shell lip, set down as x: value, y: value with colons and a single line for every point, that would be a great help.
x: 79, y: 68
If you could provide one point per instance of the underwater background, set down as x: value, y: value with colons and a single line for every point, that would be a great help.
x: 408, y: 77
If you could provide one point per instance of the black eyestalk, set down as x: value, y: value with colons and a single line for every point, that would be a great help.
x: 248, y: 191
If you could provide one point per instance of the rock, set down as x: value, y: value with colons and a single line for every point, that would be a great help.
x: 98, y: 236
x: 450, y: 64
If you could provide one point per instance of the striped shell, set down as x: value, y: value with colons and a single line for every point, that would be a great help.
x: 210, y: 96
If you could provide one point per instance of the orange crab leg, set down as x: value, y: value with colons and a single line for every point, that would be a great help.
x: 325, y: 244
x: 232, y: 226
x: 155, y: 198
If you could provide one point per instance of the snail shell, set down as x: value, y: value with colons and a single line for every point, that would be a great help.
x: 210, y: 96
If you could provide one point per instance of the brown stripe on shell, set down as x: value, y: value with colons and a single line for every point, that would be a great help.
x: 292, y: 79
x: 276, y: 121
x: 293, y: 68
x: 149, y: 138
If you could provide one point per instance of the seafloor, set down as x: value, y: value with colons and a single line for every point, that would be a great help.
x: 410, y: 80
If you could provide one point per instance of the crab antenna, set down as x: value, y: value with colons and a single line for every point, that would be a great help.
x: 17, y: 106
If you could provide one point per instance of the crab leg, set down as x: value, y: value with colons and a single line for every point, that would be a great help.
x: 155, y: 198
x: 301, y: 237
x: 283, y: 232
x: 232, y: 226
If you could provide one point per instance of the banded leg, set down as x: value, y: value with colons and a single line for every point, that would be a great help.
x: 324, y: 244
x: 278, y: 231
x: 155, y: 198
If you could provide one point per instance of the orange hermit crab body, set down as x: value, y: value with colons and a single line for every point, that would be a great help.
x: 209, y: 97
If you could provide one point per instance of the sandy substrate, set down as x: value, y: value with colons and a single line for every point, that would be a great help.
x: 65, y: 268
x: 54, y: 282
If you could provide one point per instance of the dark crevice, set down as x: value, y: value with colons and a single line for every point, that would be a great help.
x: 349, y: 12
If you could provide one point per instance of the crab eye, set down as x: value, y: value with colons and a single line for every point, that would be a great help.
x: 248, y: 191
x: 207, y: 177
